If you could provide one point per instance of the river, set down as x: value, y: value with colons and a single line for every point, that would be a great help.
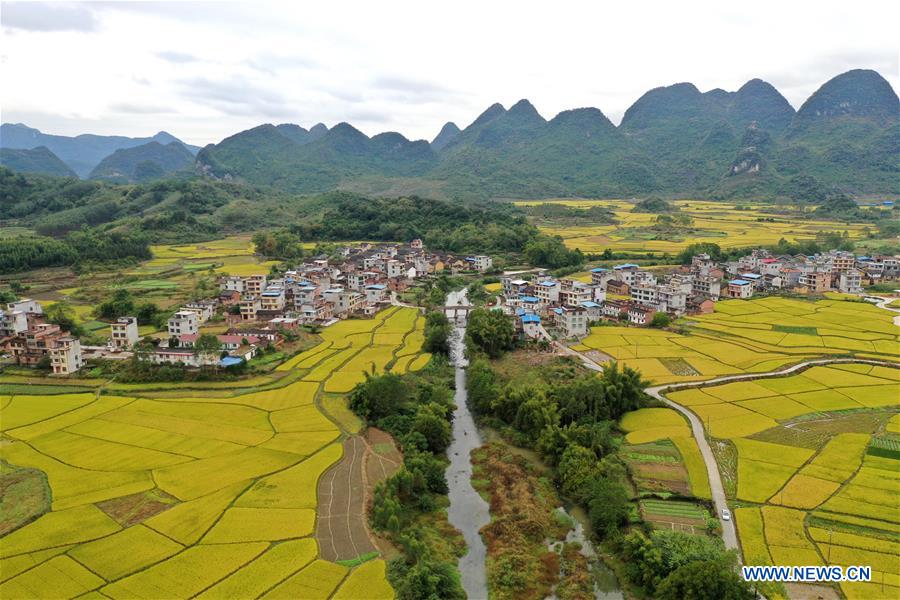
x: 468, y: 511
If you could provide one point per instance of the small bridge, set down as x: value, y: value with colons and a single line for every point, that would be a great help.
x: 457, y: 312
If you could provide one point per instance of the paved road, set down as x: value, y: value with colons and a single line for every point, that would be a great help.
x: 715, y: 481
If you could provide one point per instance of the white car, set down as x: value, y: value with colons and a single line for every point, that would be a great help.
x: 726, y: 514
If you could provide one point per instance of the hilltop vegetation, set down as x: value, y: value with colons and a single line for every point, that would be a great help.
x: 37, y: 160
x: 673, y: 141
x: 143, y: 163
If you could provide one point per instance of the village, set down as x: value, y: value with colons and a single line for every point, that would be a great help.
x: 627, y: 293
x: 260, y: 310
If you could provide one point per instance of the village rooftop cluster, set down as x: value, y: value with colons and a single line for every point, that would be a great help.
x: 260, y: 310
x: 628, y: 293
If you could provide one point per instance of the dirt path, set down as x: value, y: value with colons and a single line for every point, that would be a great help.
x: 344, y: 492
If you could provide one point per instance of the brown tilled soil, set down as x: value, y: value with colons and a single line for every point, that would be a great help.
x: 344, y: 492
x: 136, y: 508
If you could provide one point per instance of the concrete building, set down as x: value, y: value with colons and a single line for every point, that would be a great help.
x: 572, y: 320
x: 65, y: 356
x: 816, y: 281
x: 184, y: 322
x: 850, y: 281
x: 740, y: 288
x: 124, y: 332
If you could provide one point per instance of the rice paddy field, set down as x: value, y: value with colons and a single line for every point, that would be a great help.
x: 662, y: 454
x: 189, y: 494
x: 717, y: 222
x: 818, y: 468
x: 751, y: 336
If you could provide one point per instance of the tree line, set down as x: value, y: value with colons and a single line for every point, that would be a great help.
x: 26, y: 252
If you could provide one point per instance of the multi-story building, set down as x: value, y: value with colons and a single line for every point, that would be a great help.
x: 740, y: 288
x: 124, y: 333
x: 640, y: 315
x: 232, y: 284
x: 481, y: 262
x: 205, y: 309
x: 184, y: 322
x: 14, y: 320
x: 65, y: 356
x: 850, y: 281
x: 547, y: 291
x: 646, y: 295
x: 376, y: 292
x: 255, y: 284
x: 709, y: 287
x: 249, y: 308
x: 272, y: 298
x: 816, y: 281
x: 572, y: 320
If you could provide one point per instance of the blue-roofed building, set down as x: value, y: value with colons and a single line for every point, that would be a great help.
x: 531, y: 326
x: 230, y: 361
x: 626, y: 267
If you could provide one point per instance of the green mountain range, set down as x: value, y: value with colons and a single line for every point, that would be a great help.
x: 81, y: 153
x: 37, y: 160
x: 143, y: 163
x: 673, y: 141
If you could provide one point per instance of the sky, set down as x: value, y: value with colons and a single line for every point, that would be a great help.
x: 206, y: 70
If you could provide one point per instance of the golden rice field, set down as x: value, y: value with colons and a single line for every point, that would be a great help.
x: 190, y: 496
x: 751, y: 336
x: 716, y: 222
x: 834, y: 503
x: 652, y: 424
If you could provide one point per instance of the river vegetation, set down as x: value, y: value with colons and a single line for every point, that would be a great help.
x: 569, y: 416
x: 409, y: 508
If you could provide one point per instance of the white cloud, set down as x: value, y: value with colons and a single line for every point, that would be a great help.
x: 205, y: 70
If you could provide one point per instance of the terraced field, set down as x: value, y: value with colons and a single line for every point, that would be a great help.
x: 662, y: 453
x: 174, y: 497
x: 716, y: 222
x: 751, y: 336
x: 818, y: 468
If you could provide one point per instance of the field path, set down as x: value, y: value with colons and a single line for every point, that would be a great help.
x: 715, y: 481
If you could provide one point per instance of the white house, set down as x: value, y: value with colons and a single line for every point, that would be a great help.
x: 184, y: 322
x: 124, y: 332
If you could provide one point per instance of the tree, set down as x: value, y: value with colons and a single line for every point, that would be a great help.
x: 578, y: 469
x: 608, y: 506
x: 491, y: 332
x: 63, y: 314
x: 660, y: 320
x: 437, y: 333
x: 431, y: 422
x: 379, y: 396
x: 426, y: 580
x: 120, y: 305
x: 207, y: 346
x: 705, y: 580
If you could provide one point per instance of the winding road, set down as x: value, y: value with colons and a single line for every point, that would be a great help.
x: 729, y: 534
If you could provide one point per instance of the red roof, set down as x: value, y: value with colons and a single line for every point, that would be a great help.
x: 237, y: 339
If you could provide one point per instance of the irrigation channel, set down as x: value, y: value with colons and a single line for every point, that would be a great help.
x: 468, y: 511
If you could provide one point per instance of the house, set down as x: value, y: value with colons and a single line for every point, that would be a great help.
x: 640, y: 315
x: 850, y: 281
x: 375, y: 293
x: 65, y: 356
x: 173, y: 356
x: 531, y: 325
x: 229, y: 297
x: 547, y: 291
x: 232, y: 284
x: 594, y: 310
x: 481, y: 262
x: 124, y: 333
x: 250, y: 308
x: 205, y: 309
x: 816, y: 281
x: 612, y: 309
x: 699, y: 305
x: 615, y: 287
x: 183, y: 322
x: 14, y: 320
x: 254, y: 285
x: 572, y: 320
x: 272, y: 299
x: 740, y: 288
x: 599, y: 276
